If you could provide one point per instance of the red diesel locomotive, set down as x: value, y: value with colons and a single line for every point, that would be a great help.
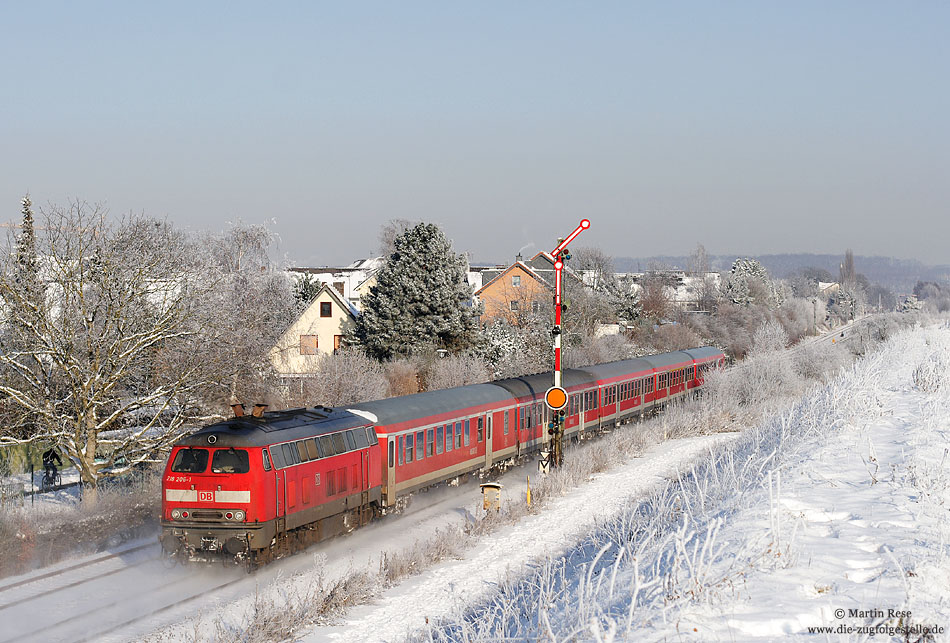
x: 258, y: 486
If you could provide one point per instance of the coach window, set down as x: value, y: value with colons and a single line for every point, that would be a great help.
x: 339, y: 444
x: 230, y: 460
x: 361, y: 441
x: 402, y: 449
x: 449, y: 438
x: 521, y: 423
x: 481, y: 429
x: 312, y: 449
x: 430, y: 443
x: 409, y: 448
x: 468, y: 432
x: 420, y: 445
x: 190, y: 461
x: 350, y: 440
x: 392, y: 453
x: 506, y: 422
x: 439, y: 439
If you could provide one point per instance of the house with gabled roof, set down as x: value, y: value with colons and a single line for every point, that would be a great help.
x: 317, y: 331
x: 517, y: 290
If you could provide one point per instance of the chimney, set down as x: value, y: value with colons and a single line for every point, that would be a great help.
x: 518, y: 257
x: 238, y: 410
x: 258, y: 410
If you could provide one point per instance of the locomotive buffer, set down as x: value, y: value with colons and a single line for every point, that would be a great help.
x: 556, y: 397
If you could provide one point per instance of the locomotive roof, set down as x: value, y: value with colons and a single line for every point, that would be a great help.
x: 429, y: 403
x: 275, y: 426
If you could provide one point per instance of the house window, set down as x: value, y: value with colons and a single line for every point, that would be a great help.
x: 514, y: 305
x: 516, y: 281
x: 308, y: 344
x: 337, y: 342
x: 326, y: 309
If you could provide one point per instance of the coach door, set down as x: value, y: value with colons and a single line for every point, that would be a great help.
x: 488, y: 438
x: 391, y: 473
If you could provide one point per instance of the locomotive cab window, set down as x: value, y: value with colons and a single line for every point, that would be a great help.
x: 230, y: 461
x: 266, y: 459
x: 190, y: 461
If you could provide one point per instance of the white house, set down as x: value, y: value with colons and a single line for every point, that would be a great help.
x: 351, y: 282
x: 318, y: 330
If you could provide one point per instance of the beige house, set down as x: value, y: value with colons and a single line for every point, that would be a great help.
x: 316, y: 332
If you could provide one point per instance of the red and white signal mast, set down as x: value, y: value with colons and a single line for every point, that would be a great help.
x: 556, y: 397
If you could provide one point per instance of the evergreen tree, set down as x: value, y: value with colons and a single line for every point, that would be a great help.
x: 26, y: 261
x: 421, y: 298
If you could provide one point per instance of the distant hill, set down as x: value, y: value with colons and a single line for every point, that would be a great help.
x: 899, y: 275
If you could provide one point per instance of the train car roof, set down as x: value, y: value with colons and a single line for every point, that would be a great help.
x: 703, y: 352
x: 536, y: 385
x: 623, y: 367
x: 422, y: 405
x: 275, y: 426
x: 667, y: 359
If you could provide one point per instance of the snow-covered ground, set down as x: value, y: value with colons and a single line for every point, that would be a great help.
x: 833, y: 515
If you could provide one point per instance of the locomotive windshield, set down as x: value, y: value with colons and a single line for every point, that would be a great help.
x: 230, y: 461
x: 190, y: 461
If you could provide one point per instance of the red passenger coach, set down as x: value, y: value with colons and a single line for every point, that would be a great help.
x: 254, y: 487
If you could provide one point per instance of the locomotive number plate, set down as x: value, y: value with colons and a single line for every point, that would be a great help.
x: 205, y: 496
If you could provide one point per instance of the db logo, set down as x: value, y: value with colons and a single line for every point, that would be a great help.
x: 205, y: 496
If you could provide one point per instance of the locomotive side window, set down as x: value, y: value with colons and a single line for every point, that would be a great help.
x: 339, y: 445
x: 439, y: 439
x: 302, y: 451
x: 277, y: 457
x: 349, y: 440
x: 190, y: 461
x: 361, y: 441
x: 449, y: 438
x: 230, y: 461
x: 290, y: 455
x: 371, y: 435
x: 420, y: 445
x: 312, y: 449
x: 266, y: 459
x: 326, y: 445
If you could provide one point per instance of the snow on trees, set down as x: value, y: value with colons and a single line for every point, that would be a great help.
x: 421, y: 298
x: 749, y: 283
x: 94, y: 352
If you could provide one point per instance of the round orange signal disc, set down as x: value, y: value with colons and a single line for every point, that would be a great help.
x: 555, y: 398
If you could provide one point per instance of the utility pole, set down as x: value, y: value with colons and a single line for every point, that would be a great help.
x: 556, y: 397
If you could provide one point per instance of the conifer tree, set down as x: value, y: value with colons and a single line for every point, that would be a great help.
x: 421, y: 298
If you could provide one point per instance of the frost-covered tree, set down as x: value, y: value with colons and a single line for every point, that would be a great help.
x: 749, y: 283
x: 100, y: 359
x: 420, y: 300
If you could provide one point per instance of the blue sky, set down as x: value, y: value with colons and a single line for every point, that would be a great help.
x: 749, y: 127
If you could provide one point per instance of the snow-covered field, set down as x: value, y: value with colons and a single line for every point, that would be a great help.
x: 833, y: 515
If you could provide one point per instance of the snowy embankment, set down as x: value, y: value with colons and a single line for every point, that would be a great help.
x: 831, y: 515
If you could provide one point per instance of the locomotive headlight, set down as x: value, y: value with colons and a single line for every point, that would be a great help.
x: 176, y: 514
x: 239, y: 515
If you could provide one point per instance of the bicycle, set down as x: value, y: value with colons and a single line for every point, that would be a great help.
x: 50, y: 482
